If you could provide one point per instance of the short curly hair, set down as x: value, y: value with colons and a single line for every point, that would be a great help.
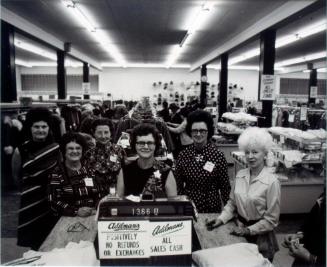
x: 142, y: 130
x: 101, y: 122
x: 72, y: 137
x: 200, y: 116
x: 255, y: 136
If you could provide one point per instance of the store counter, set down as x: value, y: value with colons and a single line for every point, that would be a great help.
x: 75, y: 229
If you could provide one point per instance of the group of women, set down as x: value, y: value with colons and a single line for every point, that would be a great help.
x: 71, y: 178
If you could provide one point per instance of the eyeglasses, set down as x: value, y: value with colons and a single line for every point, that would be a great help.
x: 201, y: 131
x: 142, y: 143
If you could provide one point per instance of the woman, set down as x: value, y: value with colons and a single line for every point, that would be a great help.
x: 73, y: 190
x: 185, y: 139
x: 255, y: 197
x: 201, y: 169
x: 146, y: 174
x: 105, y: 159
x: 31, y: 164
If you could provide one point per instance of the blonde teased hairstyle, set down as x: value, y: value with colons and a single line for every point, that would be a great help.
x: 255, y: 136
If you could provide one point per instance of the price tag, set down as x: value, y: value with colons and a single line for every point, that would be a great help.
x: 282, y: 139
x: 88, y: 181
x: 303, y: 113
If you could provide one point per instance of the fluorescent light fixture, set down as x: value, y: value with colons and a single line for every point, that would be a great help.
x: 301, y: 59
x: 302, y: 33
x: 285, y: 40
x: 97, y: 34
x: 34, y: 49
x: 200, y: 18
x: 249, y: 54
x: 22, y: 63
x: 79, y: 15
x: 145, y: 65
x: 318, y: 70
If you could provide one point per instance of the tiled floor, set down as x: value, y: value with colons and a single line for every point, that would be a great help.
x: 10, y: 251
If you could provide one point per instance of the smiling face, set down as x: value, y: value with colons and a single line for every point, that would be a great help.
x: 73, y: 152
x: 199, y: 133
x: 102, y: 134
x: 40, y: 131
x: 255, y: 156
x: 145, y: 146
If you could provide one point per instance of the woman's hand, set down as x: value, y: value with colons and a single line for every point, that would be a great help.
x: 299, y: 252
x: 291, y: 238
x: 240, y: 231
x: 85, y: 211
x: 212, y: 224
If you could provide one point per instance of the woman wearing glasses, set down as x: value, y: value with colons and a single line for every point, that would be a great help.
x: 201, y: 169
x: 146, y: 174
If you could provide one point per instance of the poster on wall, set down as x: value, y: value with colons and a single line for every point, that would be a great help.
x: 313, y: 91
x: 267, y: 88
x: 86, y: 87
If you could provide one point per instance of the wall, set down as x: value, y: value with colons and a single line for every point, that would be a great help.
x: 133, y: 83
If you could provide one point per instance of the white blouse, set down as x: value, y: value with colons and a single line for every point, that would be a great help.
x: 258, y: 200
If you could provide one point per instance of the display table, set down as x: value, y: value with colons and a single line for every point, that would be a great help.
x: 60, y: 236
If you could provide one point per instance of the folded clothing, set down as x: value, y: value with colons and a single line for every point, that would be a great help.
x: 235, y: 255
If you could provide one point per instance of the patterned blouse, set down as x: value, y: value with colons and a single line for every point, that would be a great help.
x: 104, y: 162
x: 69, y: 190
x: 203, y: 177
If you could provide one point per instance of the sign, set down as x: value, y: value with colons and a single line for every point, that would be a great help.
x: 86, y: 87
x: 171, y: 238
x: 123, y: 239
x: 142, y: 238
x: 267, y: 88
x: 303, y: 113
x: 313, y: 91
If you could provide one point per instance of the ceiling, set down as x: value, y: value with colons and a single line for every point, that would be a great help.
x: 146, y: 30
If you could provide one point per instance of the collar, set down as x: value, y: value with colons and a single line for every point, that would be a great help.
x: 263, y: 176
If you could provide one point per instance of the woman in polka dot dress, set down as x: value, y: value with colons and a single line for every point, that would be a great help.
x: 201, y: 169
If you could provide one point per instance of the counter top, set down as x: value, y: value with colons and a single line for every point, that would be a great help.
x: 86, y: 229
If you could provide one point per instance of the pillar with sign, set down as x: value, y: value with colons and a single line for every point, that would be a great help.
x: 313, y: 88
x: 266, y: 76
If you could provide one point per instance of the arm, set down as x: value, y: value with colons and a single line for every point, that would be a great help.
x: 223, y: 179
x: 56, y: 198
x: 16, y: 165
x: 179, y: 176
x: 179, y: 129
x: 170, y: 186
x: 271, y: 216
x: 120, y: 184
x: 229, y: 209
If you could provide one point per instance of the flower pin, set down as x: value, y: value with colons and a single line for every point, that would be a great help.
x: 157, y: 174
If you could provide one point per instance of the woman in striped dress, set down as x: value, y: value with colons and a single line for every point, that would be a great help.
x: 32, y: 162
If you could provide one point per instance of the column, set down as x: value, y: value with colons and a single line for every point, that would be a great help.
x: 223, y: 79
x: 313, y: 85
x: 203, y: 92
x: 61, y: 75
x: 266, y: 67
x: 86, y: 81
x: 8, y: 68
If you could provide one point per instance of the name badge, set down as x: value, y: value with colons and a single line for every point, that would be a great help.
x: 113, y: 158
x: 209, y: 166
x: 88, y: 181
